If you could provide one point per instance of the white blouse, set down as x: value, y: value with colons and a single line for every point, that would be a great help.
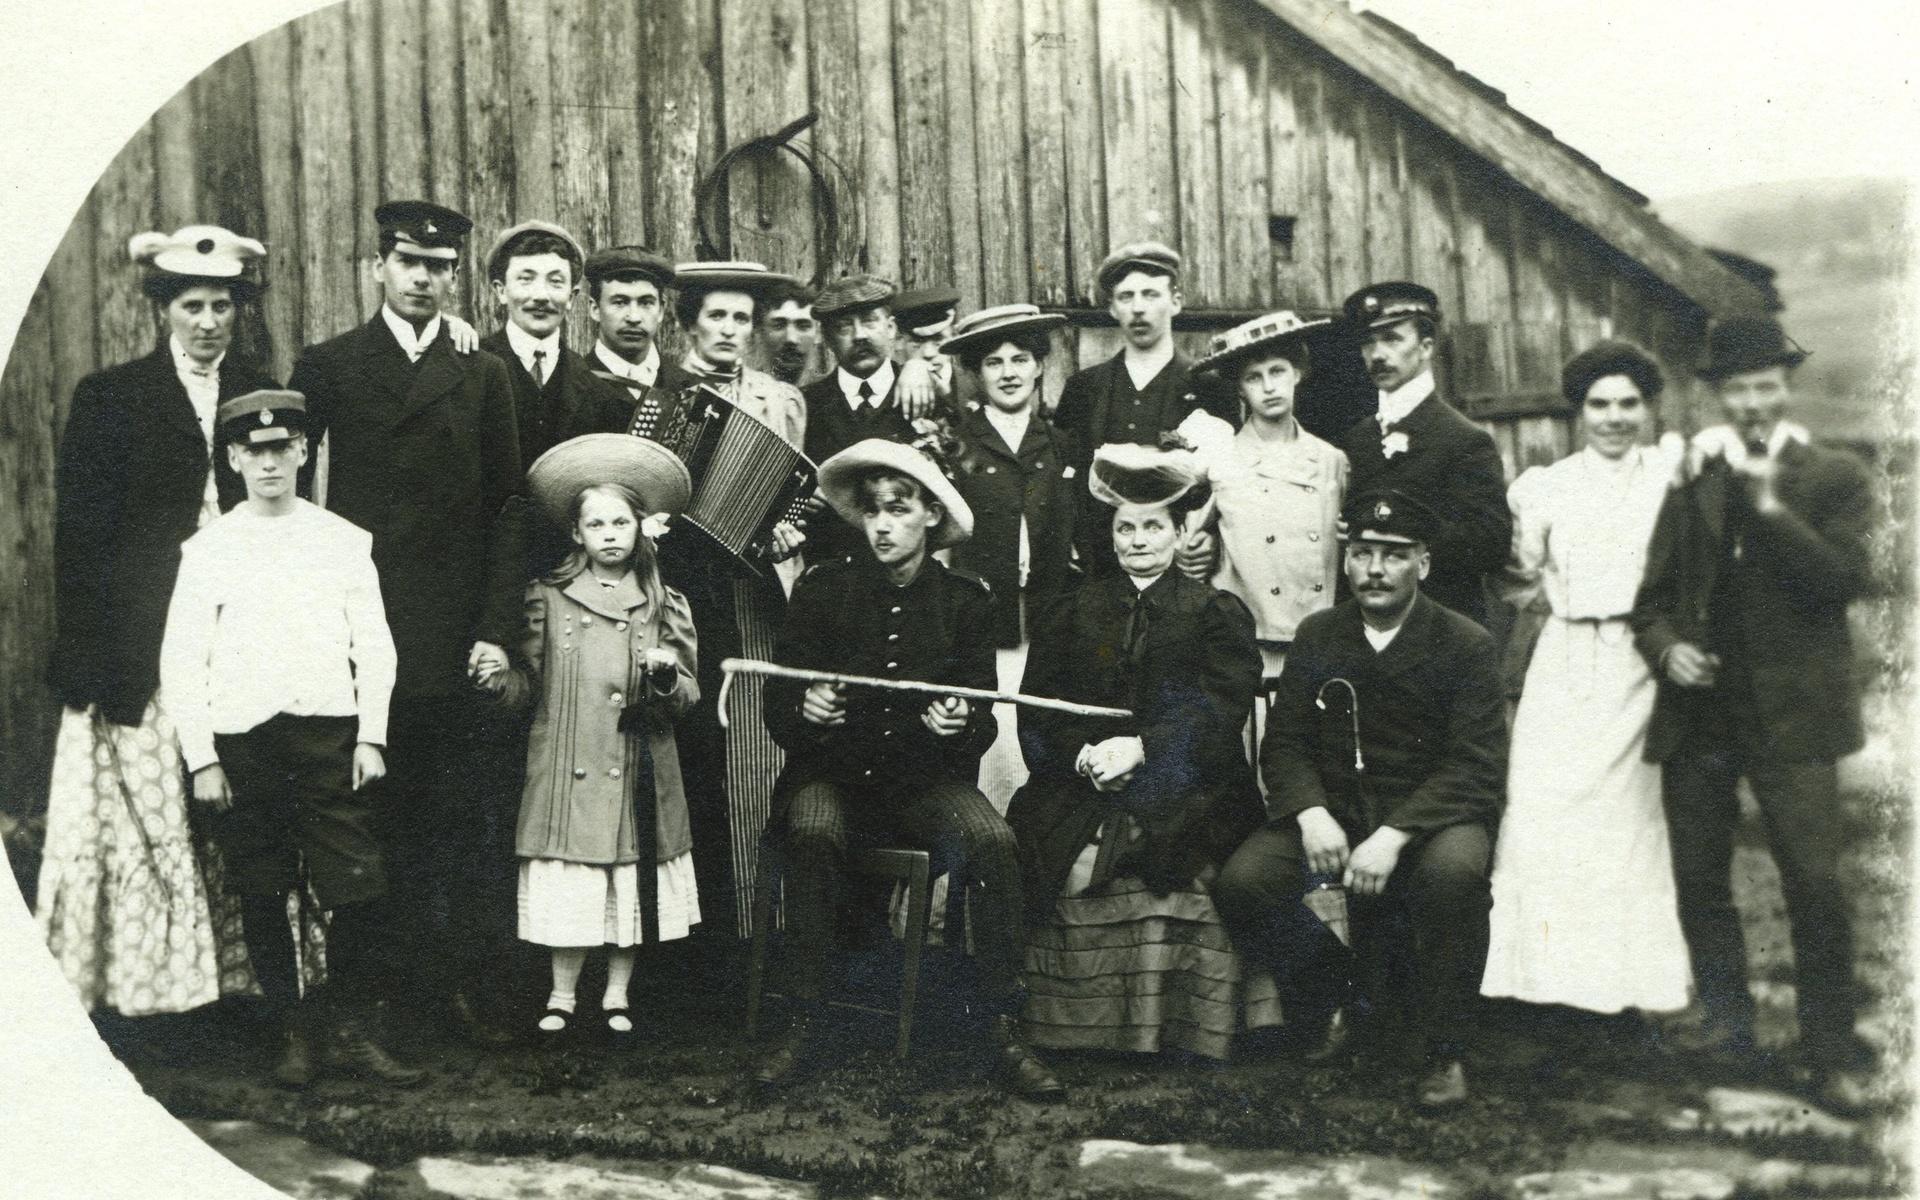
x: 1581, y: 528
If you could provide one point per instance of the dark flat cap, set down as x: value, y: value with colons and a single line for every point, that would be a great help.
x: 423, y: 228
x: 923, y: 307
x: 850, y: 293
x: 263, y: 415
x: 1380, y: 304
x: 629, y: 262
x: 1155, y: 257
x: 1388, y: 515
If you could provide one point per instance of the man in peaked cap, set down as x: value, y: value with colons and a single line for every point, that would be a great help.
x: 1384, y: 760
x: 924, y: 317
x: 627, y: 289
x: 424, y: 454
x: 1742, y: 615
x: 1419, y: 444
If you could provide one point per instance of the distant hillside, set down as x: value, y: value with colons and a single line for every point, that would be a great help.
x: 1841, y: 247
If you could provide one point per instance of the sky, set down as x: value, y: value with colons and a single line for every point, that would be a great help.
x: 1675, y: 97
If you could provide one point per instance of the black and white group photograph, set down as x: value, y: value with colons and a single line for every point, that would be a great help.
x: 946, y: 599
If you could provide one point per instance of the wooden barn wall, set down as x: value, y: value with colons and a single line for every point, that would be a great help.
x: 1000, y: 146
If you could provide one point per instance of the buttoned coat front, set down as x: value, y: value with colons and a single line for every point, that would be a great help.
x: 1278, y: 509
x: 583, y: 655
x: 1002, y: 484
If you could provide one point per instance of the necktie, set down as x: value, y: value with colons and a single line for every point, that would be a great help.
x: 540, y: 367
x: 1136, y: 627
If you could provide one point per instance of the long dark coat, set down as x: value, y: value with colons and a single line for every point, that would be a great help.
x: 129, y: 483
x: 1433, y: 724
x: 426, y: 457
x: 1001, y: 484
x: 1451, y: 465
x: 1190, y: 685
x: 1805, y: 565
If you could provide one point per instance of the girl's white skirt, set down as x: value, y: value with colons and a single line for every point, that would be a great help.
x: 580, y: 904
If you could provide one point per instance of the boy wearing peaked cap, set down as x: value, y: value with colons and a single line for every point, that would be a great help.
x: 278, y: 666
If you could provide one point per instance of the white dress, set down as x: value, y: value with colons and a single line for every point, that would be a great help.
x: 1584, y: 912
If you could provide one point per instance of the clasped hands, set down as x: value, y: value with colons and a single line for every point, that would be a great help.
x: 1109, y: 765
x: 1365, y: 869
x: 826, y: 704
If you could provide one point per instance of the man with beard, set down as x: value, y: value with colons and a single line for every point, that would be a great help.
x: 1384, y: 760
x: 789, y: 332
x: 626, y: 297
x: 1418, y: 444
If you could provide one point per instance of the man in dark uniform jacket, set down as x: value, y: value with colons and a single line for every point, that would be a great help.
x: 627, y: 289
x: 872, y: 766
x: 1385, y: 764
x: 1418, y: 444
x: 424, y: 455
x: 1742, y: 615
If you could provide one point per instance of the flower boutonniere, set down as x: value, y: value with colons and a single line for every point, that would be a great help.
x: 1394, y: 443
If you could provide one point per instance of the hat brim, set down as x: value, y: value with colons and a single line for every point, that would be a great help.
x: 753, y: 283
x: 840, y: 478
x: 1124, y: 473
x: 650, y: 469
x: 161, y: 285
x: 993, y: 335
x: 1231, y: 358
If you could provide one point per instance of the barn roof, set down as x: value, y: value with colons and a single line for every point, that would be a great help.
x: 1479, y: 118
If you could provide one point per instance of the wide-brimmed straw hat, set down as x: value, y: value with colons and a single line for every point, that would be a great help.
x: 841, y: 476
x: 733, y: 275
x: 1125, y: 473
x: 653, y: 472
x: 989, y: 327
x: 197, y: 252
x: 1271, y: 332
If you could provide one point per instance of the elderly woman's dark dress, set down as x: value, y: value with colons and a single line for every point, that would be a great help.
x: 1124, y: 949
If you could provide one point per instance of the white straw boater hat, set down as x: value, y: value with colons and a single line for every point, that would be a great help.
x: 733, y: 275
x: 840, y: 478
x: 1270, y: 332
x: 1125, y: 473
x: 654, y: 473
x: 990, y: 326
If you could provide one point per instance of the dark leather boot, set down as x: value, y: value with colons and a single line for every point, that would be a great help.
x: 1020, y: 1071
x: 1445, y: 1086
x: 793, y: 1052
x: 474, y: 1027
x: 295, y: 1067
x: 351, y: 1049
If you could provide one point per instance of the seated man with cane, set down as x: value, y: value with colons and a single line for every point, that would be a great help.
x: 1384, y: 760
x: 885, y: 766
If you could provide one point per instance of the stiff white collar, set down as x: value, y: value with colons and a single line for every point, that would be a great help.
x: 1398, y: 404
x: 1142, y: 582
x: 643, y: 372
x: 1012, y: 426
x: 415, y: 344
x: 525, y: 344
x: 185, y: 364
x: 879, y: 383
x: 1143, y: 365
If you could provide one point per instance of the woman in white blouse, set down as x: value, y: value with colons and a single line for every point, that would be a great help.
x: 1583, y: 898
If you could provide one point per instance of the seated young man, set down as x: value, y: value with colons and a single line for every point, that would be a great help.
x: 1385, y: 762
x: 885, y: 767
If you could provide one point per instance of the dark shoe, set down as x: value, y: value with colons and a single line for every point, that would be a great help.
x: 475, y: 1028
x: 789, y: 1056
x: 352, y: 1051
x: 295, y: 1068
x: 1330, y: 1042
x: 1444, y: 1087
x: 1020, y: 1071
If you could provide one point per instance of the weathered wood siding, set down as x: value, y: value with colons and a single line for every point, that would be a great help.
x: 1002, y: 147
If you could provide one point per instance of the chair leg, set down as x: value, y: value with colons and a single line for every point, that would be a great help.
x: 919, y: 902
x: 766, y: 882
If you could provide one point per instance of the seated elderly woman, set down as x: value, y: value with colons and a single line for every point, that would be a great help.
x: 1123, y: 821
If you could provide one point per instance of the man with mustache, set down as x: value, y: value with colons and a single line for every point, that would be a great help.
x: 789, y: 332
x: 1385, y: 764
x: 627, y: 290
x: 424, y: 454
x: 1420, y: 445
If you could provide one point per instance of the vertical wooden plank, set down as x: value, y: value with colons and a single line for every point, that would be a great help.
x: 226, y: 130
x: 1538, y: 315
x: 1293, y: 262
x: 920, y: 64
x: 1486, y: 305
x: 616, y: 88
x: 1000, y: 147
x: 526, y: 43
x: 879, y: 178
x: 763, y: 57
x: 123, y: 204
x: 1043, y: 46
x: 1538, y: 442
x: 1135, y: 80
x: 1083, y: 132
x: 1246, y: 257
x: 680, y: 116
x: 1433, y: 247
x: 330, y: 213
x: 273, y: 59
x: 445, y: 125
x: 71, y: 298
x: 493, y: 154
x: 963, y: 180
x: 582, y: 151
x: 1384, y: 166
x: 403, y: 99
x: 176, y: 163
x: 27, y: 714
x: 364, y: 85
x: 835, y: 61
x: 1346, y: 192
x: 1196, y: 148
x: 1312, y: 243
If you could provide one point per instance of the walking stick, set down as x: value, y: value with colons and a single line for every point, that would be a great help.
x: 729, y: 667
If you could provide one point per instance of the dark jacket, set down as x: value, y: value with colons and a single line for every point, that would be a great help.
x: 1433, y: 724
x: 1001, y: 484
x: 131, y: 474
x: 1450, y: 464
x: 848, y: 617
x: 426, y: 457
x: 1189, y: 683
x: 1799, y: 569
x: 831, y: 428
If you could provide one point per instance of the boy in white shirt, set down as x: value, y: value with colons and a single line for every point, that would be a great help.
x: 278, y: 667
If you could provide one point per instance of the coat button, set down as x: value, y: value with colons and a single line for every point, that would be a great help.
x: 1311, y: 488
x: 893, y: 666
x: 867, y: 773
x: 621, y: 626
x: 1319, y: 587
x: 613, y: 772
x: 579, y: 772
x: 886, y: 733
x: 1131, y: 425
x: 616, y: 699
x: 1269, y: 539
x: 1273, y: 591
x: 1313, y: 537
x: 895, y: 610
x: 893, y: 637
x: 585, y: 620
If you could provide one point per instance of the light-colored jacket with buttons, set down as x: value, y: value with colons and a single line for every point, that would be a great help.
x: 583, y: 655
x: 1278, y: 506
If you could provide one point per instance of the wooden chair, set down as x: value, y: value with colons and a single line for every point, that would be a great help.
x: 914, y: 868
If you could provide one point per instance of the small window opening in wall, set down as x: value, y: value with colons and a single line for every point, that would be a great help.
x: 1280, y: 233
